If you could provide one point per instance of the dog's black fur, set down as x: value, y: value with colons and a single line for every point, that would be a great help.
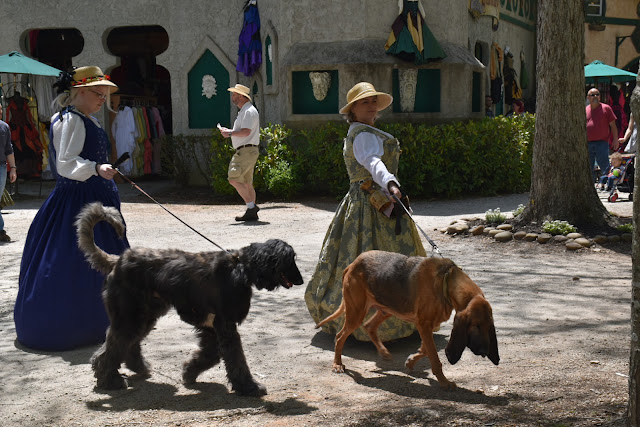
x: 209, y: 290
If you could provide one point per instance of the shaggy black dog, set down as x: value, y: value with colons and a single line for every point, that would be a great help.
x: 209, y: 290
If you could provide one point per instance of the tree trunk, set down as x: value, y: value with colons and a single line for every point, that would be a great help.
x: 634, y: 358
x: 561, y: 182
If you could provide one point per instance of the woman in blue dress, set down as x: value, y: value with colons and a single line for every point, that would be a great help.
x: 59, y: 304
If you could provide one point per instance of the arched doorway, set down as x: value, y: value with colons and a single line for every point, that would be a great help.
x: 141, y: 80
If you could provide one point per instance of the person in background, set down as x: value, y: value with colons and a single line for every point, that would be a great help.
x: 362, y: 221
x: 601, y: 122
x: 6, y: 157
x: 245, y: 137
x: 488, y: 106
x: 59, y: 305
x: 517, y: 108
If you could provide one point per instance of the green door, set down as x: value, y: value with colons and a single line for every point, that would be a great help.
x: 209, y: 100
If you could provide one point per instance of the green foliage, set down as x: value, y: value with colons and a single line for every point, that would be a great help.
x: 486, y: 157
x: 625, y: 228
x: 321, y: 158
x: 517, y: 211
x: 494, y: 216
x: 277, y: 172
x: 182, y: 155
x: 558, y: 227
x: 221, y: 153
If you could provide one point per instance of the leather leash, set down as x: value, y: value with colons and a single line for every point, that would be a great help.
x: 431, y: 242
x: 124, y: 157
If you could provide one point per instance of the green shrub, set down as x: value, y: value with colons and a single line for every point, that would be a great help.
x: 278, y: 171
x: 321, y: 158
x: 517, y: 211
x: 625, y: 228
x: 221, y: 153
x: 494, y: 216
x: 557, y: 227
x: 485, y: 157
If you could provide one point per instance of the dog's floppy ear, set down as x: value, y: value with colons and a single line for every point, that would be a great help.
x: 458, y: 338
x: 493, y: 345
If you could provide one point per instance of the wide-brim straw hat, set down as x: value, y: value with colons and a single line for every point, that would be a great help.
x: 92, y: 76
x: 364, y: 90
x: 240, y: 89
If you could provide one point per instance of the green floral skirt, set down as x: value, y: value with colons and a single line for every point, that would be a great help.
x: 357, y: 227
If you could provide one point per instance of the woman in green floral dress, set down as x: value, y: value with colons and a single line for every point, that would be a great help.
x: 369, y: 155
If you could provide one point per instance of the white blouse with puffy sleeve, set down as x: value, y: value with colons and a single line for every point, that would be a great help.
x: 68, y: 140
x: 368, y: 151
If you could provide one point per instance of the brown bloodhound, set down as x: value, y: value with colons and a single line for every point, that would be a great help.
x: 420, y: 290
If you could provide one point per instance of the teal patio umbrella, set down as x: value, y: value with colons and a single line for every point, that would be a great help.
x: 598, y: 70
x: 16, y: 63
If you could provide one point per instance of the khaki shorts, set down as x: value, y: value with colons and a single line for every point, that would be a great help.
x: 242, y: 164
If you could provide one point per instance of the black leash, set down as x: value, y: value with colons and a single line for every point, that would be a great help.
x: 124, y: 157
x: 431, y: 242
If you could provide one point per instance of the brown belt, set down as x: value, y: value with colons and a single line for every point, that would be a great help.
x: 246, y: 145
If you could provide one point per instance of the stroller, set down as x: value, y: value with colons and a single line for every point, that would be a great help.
x: 624, y: 182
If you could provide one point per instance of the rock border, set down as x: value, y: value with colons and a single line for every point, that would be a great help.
x: 506, y: 233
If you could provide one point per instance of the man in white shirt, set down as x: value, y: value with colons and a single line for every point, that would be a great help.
x: 245, y: 137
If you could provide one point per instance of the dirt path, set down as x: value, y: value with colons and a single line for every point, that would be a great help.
x: 562, y: 320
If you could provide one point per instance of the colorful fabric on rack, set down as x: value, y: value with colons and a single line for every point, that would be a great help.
x: 25, y: 138
x: 125, y: 132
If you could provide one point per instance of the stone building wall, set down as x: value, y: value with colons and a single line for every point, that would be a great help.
x: 354, y: 31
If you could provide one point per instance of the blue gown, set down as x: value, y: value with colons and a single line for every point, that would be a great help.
x: 59, y: 304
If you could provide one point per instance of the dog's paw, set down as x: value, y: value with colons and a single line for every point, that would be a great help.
x: 254, y: 389
x: 384, y: 353
x: 447, y: 385
x: 112, y: 382
x: 189, y: 376
x: 140, y: 367
x: 410, y: 362
x: 338, y: 368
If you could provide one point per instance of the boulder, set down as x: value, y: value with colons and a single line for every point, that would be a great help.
x: 572, y: 245
x: 560, y: 238
x: 506, y: 227
x: 519, y: 235
x: 626, y: 237
x: 503, y: 236
x: 600, y: 239
x: 584, y: 242
x: 492, y: 233
x: 477, y: 230
x: 574, y: 236
x: 544, y: 237
x: 530, y: 237
x: 614, y: 239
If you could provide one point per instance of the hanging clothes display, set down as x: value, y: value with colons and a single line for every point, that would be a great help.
x: 495, y: 73
x: 512, y: 89
x: 25, y: 137
x: 410, y: 38
x: 250, y: 47
x: 139, y: 130
x: 156, y: 167
x: 125, y: 132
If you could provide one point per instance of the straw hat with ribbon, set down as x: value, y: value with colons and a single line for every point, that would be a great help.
x: 92, y: 76
x: 240, y: 89
x: 364, y: 90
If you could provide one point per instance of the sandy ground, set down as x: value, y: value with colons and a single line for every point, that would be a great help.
x: 562, y: 320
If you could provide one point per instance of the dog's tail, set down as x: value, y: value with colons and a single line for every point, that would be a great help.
x: 339, y: 312
x: 88, y: 217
